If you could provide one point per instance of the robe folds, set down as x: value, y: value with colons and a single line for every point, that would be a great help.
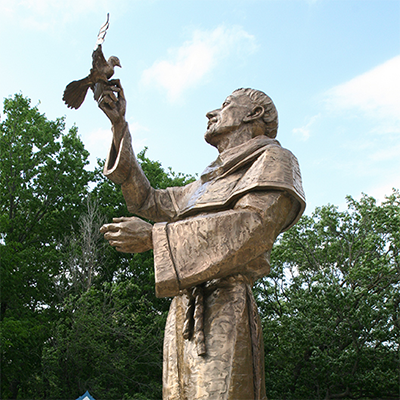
x: 212, y: 239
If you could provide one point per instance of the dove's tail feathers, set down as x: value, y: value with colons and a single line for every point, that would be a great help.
x: 75, y: 93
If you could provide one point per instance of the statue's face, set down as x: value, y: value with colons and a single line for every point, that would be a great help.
x: 228, y: 118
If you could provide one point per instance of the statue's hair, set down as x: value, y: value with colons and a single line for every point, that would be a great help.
x: 270, y: 117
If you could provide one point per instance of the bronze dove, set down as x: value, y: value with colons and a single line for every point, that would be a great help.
x: 101, y: 72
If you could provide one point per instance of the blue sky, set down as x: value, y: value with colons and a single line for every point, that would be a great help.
x: 332, y: 68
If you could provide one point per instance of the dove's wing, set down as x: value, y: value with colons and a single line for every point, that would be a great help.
x: 99, y: 63
x: 102, y: 32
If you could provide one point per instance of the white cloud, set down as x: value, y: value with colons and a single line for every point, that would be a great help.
x: 304, y: 132
x: 390, y: 153
x: 49, y: 14
x: 375, y: 93
x: 188, y: 64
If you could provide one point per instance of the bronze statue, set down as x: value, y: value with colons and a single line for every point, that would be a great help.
x: 101, y: 72
x: 211, y: 240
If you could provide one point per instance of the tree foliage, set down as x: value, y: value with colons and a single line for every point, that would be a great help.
x: 108, y: 339
x: 330, y: 308
x: 77, y: 315
x: 43, y: 183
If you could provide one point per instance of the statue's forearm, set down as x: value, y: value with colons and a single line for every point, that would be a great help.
x: 113, y: 103
x: 123, y: 169
x: 118, y: 131
x: 122, y: 166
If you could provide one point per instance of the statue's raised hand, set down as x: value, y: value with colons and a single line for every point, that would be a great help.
x: 111, y: 100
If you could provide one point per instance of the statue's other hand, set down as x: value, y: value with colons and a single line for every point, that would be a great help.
x: 129, y: 235
x: 111, y: 100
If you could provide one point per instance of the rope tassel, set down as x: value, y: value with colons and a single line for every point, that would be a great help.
x: 198, y: 317
x: 194, y: 320
x: 188, y: 324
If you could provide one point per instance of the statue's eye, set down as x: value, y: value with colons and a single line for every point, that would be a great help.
x: 225, y: 103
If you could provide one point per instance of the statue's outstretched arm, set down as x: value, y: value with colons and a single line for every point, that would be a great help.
x: 131, y: 234
x: 113, y: 103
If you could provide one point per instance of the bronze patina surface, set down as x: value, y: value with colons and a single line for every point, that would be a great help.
x: 211, y: 240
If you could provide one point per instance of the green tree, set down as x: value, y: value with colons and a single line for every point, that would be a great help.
x: 109, y: 336
x: 44, y: 184
x: 330, y: 308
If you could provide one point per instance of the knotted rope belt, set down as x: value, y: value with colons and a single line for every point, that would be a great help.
x: 194, y: 315
x: 194, y: 319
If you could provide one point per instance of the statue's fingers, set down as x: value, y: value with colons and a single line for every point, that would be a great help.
x: 109, y: 91
x: 118, y: 246
x: 116, y: 82
x: 110, y: 102
x: 121, y: 219
x: 122, y: 249
x: 115, y: 243
x: 105, y: 103
x: 109, y: 228
x: 113, y: 97
x: 112, y: 235
x: 108, y: 95
x: 114, y: 85
x: 119, y: 89
x: 121, y: 94
x: 104, y: 228
x: 100, y: 101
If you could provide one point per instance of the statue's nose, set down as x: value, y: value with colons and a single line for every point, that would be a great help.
x: 211, y: 114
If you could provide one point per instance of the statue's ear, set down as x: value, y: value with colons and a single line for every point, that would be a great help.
x: 255, y: 113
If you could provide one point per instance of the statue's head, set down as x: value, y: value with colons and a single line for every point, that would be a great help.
x: 246, y: 111
x: 268, y: 122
